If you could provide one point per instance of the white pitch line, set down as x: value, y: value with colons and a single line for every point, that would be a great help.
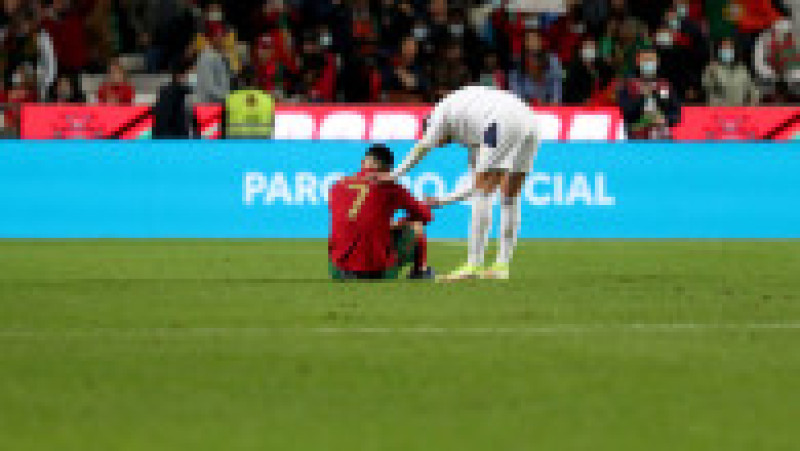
x: 556, y: 329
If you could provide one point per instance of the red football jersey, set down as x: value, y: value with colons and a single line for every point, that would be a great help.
x: 117, y: 94
x: 361, y: 213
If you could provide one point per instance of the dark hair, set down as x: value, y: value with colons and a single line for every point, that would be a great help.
x: 382, y: 154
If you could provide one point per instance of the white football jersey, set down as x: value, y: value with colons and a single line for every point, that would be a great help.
x: 479, y: 117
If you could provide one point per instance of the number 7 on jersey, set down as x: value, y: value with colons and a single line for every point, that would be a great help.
x: 363, y: 191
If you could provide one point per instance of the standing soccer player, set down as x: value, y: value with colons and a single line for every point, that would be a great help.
x: 499, y: 130
x: 365, y: 243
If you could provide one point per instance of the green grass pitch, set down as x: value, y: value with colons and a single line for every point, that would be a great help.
x: 218, y: 345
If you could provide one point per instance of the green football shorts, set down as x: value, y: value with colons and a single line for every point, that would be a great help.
x: 404, y: 242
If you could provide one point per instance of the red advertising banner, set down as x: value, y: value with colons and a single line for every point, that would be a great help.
x: 43, y: 121
x: 302, y: 122
x: 738, y: 123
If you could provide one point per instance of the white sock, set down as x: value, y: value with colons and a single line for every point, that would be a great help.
x: 481, y: 225
x: 510, y: 218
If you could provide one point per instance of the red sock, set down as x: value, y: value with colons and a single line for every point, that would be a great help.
x: 421, y: 253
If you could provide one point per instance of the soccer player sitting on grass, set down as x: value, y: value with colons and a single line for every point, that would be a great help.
x: 365, y: 242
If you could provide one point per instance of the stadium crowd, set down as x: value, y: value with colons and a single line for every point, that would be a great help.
x: 719, y: 52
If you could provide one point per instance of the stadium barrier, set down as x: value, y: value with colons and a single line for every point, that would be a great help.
x: 391, y: 122
x: 278, y: 189
x: 399, y: 122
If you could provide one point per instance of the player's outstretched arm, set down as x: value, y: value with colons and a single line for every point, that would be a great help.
x: 463, y: 193
x: 417, y: 154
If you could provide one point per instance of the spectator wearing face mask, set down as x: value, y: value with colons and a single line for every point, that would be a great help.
x: 116, y: 89
x: 677, y: 65
x: 683, y: 55
x: 214, y: 24
x: 727, y: 80
x: 588, y: 77
x: 649, y: 104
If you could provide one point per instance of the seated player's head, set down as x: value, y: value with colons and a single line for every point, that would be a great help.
x: 378, y: 158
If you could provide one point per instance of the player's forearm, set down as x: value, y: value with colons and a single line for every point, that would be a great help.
x: 417, y: 153
x: 461, y: 194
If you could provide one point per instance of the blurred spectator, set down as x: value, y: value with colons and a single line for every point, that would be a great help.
x: 492, y: 74
x: 595, y: 15
x: 394, y: 18
x: 675, y: 66
x: 718, y: 16
x: 46, y: 64
x: 539, y: 77
x: 361, y: 77
x: 566, y: 34
x: 621, y: 42
x: 588, y: 77
x: 690, y: 10
x: 8, y: 8
x: 450, y: 72
x: 649, y: 12
x: 25, y: 43
x: 65, y: 22
x: 753, y: 16
x: 213, y: 71
x: 271, y: 74
x: 727, y: 79
x: 683, y: 54
x: 316, y: 76
x: 66, y: 89
x: 214, y: 24
x: 781, y: 50
x: 462, y: 33
x: 21, y: 90
x: 404, y: 79
x: 439, y: 22
x: 173, y: 116
x: 650, y: 106
x: 116, y: 89
x: 168, y: 30
x: 782, y: 95
x: 272, y: 15
x: 98, y: 28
